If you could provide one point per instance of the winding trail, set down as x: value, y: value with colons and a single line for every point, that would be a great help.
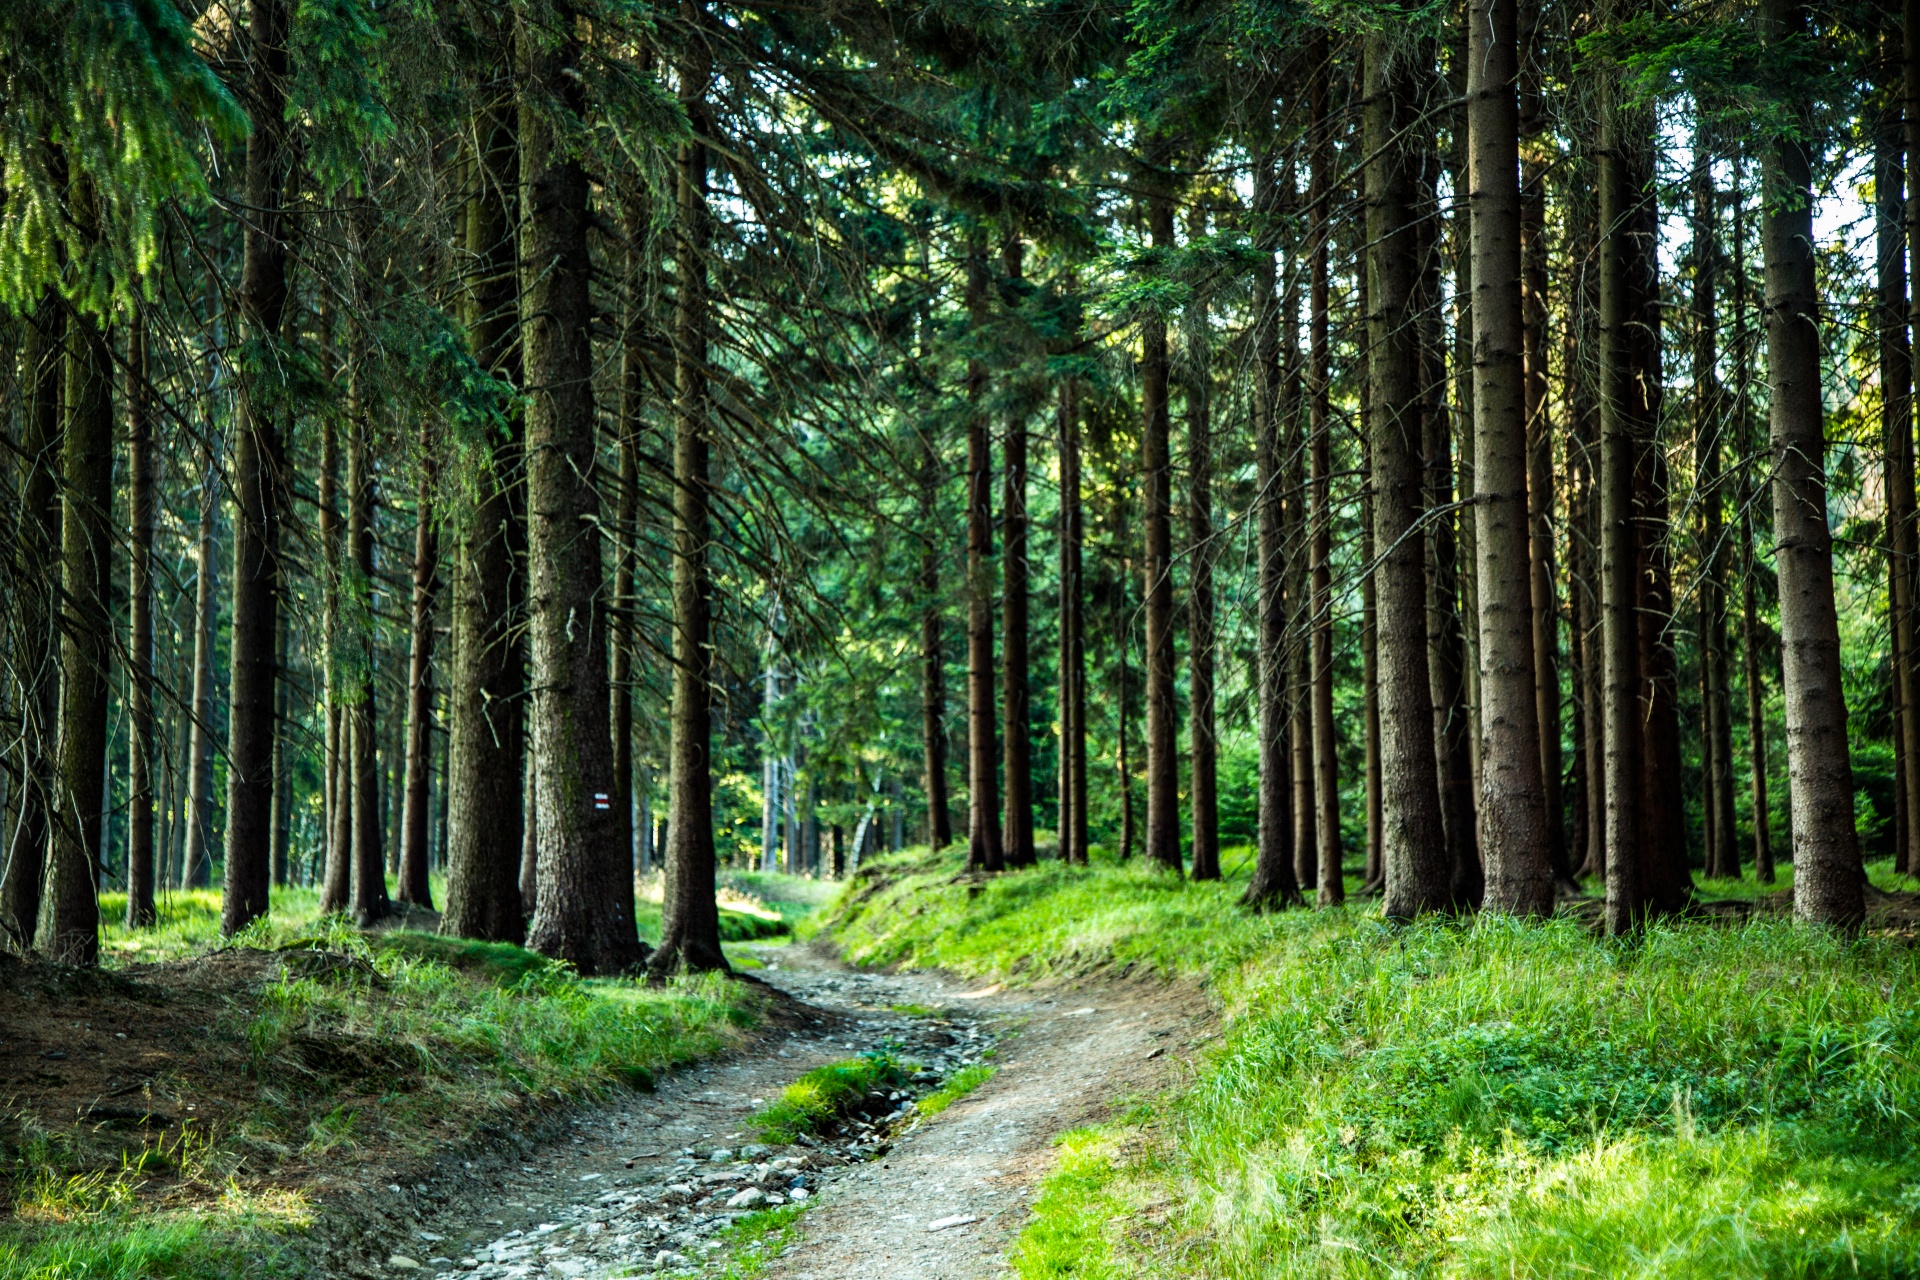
x: 1066, y: 1056
x: 633, y: 1188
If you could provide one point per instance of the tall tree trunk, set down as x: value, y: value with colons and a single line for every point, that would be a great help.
x: 1722, y: 852
x: 197, y: 871
x: 366, y: 860
x: 485, y: 745
x: 36, y: 544
x: 140, y: 639
x: 1543, y: 572
x: 983, y: 821
x: 1447, y: 651
x: 1417, y: 873
x: 1513, y: 808
x: 1826, y: 854
x: 624, y: 625
x: 334, y: 876
x: 69, y: 925
x: 1273, y: 883
x: 1369, y: 647
x: 282, y: 757
x: 690, y: 923
x: 1894, y: 153
x: 1666, y: 881
x: 1619, y: 131
x: 933, y: 657
x: 583, y: 909
x: 1326, y: 781
x: 1760, y: 813
x: 1163, y: 747
x: 414, y: 885
x: 1584, y: 540
x: 1203, y: 787
x: 1074, y: 837
x: 1297, y: 645
x: 257, y: 468
x: 1016, y: 727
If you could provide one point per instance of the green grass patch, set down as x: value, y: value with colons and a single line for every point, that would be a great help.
x: 201, y: 1245
x: 824, y: 1094
x: 759, y: 1238
x: 1462, y: 1099
x: 955, y: 1087
x: 501, y: 963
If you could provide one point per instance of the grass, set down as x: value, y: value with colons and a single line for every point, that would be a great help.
x: 957, y: 1086
x: 415, y: 1040
x: 824, y: 1094
x: 1460, y: 1099
x: 757, y: 1239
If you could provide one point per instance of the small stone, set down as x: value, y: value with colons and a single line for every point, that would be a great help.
x: 799, y: 1195
x: 667, y: 1258
x: 954, y: 1220
x: 401, y: 1262
x: 721, y: 1155
x: 748, y: 1199
x: 754, y: 1151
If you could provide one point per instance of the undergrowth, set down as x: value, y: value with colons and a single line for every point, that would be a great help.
x: 826, y: 1093
x: 955, y: 1087
x: 388, y: 1043
x: 1461, y: 1099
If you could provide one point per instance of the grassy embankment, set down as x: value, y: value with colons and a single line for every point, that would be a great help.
x: 399, y: 1042
x: 1460, y: 1099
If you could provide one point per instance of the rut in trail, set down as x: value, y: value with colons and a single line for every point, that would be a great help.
x: 652, y: 1184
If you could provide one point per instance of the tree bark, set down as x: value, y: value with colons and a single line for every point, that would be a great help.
x: 1447, y: 649
x: 282, y: 757
x: 1749, y: 496
x: 414, y: 884
x: 1376, y: 876
x: 36, y: 545
x: 983, y: 822
x: 1722, y: 849
x: 1513, y: 803
x: 254, y: 673
x: 624, y: 625
x: 933, y: 658
x: 1273, y: 883
x: 1016, y: 727
x: 69, y: 923
x: 1297, y: 645
x: 366, y: 860
x: 1163, y: 748
x: 197, y: 871
x: 140, y: 638
x: 1326, y: 782
x: 1826, y: 854
x: 583, y: 909
x: 1590, y: 809
x: 1417, y: 872
x: 690, y: 922
x: 1544, y: 573
x: 485, y: 746
x: 1619, y: 125
x: 1203, y: 788
x: 1896, y: 214
x: 1074, y: 836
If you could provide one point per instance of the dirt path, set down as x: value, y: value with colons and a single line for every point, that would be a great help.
x: 1064, y: 1058
x: 651, y: 1184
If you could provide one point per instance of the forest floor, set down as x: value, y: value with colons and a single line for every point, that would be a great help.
x: 1727, y: 1093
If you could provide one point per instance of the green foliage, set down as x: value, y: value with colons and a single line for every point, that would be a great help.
x: 955, y: 1087
x: 107, y: 100
x: 1468, y: 1098
x: 824, y: 1094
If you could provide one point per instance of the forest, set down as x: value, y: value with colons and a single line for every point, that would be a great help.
x: 535, y: 474
x: 519, y: 442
